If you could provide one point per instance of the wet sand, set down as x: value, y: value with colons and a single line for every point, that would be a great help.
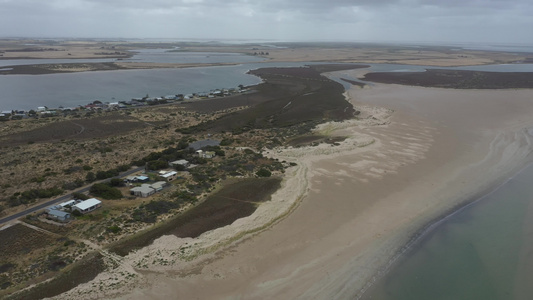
x: 398, y: 172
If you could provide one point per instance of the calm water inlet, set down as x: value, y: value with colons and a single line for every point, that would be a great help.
x: 484, y: 251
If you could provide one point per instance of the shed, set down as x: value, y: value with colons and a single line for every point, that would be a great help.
x: 67, y: 204
x: 142, y: 178
x: 87, y: 205
x: 58, y: 215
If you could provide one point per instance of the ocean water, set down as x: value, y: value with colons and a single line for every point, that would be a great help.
x: 484, y: 251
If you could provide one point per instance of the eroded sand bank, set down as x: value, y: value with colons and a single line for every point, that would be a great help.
x: 416, y: 153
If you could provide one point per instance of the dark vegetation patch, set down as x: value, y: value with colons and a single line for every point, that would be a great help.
x: 233, y: 201
x: 105, y: 191
x: 6, y: 267
x: 457, y: 79
x: 20, y: 240
x: 98, y: 127
x: 323, y: 68
x: 58, y: 68
x: 208, y: 106
x: 80, y: 272
x: 288, y: 97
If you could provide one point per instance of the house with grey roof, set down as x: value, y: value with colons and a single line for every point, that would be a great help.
x: 58, y: 215
x: 144, y: 190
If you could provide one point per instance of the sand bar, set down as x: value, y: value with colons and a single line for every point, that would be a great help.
x: 416, y: 154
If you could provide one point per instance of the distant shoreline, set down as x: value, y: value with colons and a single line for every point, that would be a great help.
x: 43, y: 69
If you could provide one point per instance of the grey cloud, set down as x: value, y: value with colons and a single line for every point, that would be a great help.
x: 380, y: 20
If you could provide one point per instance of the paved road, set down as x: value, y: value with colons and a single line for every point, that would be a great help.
x: 60, y: 199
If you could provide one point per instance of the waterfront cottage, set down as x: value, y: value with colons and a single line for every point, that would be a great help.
x: 87, y: 205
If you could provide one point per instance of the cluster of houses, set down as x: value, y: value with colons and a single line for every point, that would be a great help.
x: 147, y: 189
x: 44, y: 111
x: 63, y: 211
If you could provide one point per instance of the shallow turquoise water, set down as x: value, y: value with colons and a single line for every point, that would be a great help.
x: 484, y: 251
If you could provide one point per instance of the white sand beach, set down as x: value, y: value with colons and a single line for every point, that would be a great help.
x: 413, y: 155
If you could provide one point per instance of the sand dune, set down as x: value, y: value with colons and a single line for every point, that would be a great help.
x: 415, y: 154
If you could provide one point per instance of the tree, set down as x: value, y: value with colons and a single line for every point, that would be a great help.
x: 116, y: 182
x: 80, y: 196
x: 263, y: 173
x: 90, y: 177
x: 105, y: 191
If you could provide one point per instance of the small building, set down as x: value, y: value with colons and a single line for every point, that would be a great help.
x: 144, y: 190
x: 168, y: 175
x: 182, y: 162
x: 209, y: 154
x: 158, y: 186
x: 67, y: 204
x: 58, y: 215
x: 87, y: 205
x: 130, y: 179
x: 205, y: 154
x: 142, y: 178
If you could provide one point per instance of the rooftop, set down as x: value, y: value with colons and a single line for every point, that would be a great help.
x: 88, y: 203
x: 145, y: 188
x: 58, y: 213
x: 171, y: 173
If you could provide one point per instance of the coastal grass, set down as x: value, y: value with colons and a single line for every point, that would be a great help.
x: 80, y: 272
x: 233, y: 201
x: 288, y: 97
x: 80, y: 129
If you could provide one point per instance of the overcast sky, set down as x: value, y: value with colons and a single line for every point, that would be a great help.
x: 477, y: 21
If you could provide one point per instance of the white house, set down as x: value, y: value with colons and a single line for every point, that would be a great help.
x: 87, y: 205
x: 205, y: 154
x: 67, y: 204
x: 168, y: 175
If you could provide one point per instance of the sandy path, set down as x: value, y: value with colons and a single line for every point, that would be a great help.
x: 438, y: 149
